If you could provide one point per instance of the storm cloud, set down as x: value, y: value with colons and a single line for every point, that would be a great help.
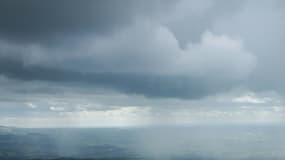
x: 130, y: 47
x: 42, y: 19
x: 160, y: 49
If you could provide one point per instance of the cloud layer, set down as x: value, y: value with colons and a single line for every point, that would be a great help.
x: 182, y: 50
x: 148, y: 67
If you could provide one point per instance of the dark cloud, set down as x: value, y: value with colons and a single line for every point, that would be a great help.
x: 182, y: 49
x: 34, y: 20
x: 210, y: 59
x: 128, y: 47
x: 148, y: 85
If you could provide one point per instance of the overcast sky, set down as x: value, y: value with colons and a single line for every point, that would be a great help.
x: 128, y: 63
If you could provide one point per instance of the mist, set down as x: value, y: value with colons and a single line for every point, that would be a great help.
x: 154, y: 80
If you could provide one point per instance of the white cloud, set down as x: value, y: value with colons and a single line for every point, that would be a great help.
x: 31, y: 105
x: 53, y: 108
x: 249, y: 99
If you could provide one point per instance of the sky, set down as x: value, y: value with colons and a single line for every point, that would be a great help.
x: 111, y: 63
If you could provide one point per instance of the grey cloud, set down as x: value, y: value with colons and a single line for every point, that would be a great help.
x: 139, y: 63
x: 169, y: 59
x: 190, y: 18
x: 260, y: 24
x: 158, y: 49
x: 148, y: 85
x: 47, y: 21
